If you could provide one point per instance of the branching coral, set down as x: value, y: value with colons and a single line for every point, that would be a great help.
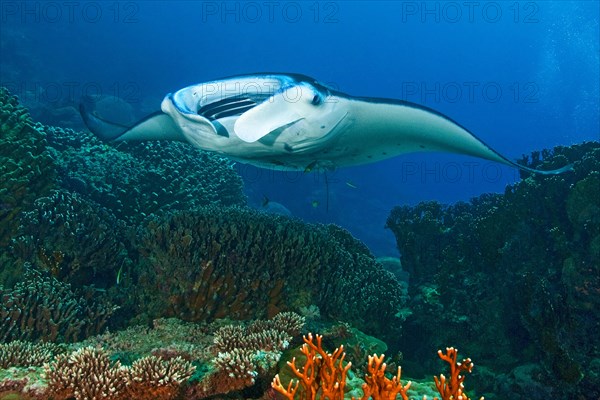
x: 234, y: 262
x: 138, y: 179
x: 73, y: 238
x: 88, y: 374
x: 538, y: 245
x: 42, y: 308
x: 453, y: 388
x: 26, y: 167
x: 246, y: 354
x: 322, y: 376
x: 26, y: 354
x: 154, y: 378
x: 267, y: 335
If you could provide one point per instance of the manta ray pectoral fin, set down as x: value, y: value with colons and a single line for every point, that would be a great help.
x: 273, y: 113
x: 156, y: 126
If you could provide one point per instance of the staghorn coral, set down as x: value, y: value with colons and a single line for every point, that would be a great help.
x: 230, y: 338
x: 133, y: 180
x: 289, y: 322
x: 154, y: 378
x: 245, y: 355
x: 238, y: 365
x: 26, y: 167
x: 73, y: 238
x: 231, y: 262
x: 26, y: 354
x: 42, y: 308
x: 538, y: 246
x: 86, y: 374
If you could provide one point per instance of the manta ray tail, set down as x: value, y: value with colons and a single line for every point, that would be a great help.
x: 500, y: 158
x: 566, y: 168
x: 156, y: 126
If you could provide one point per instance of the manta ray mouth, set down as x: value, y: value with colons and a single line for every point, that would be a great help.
x: 231, y: 106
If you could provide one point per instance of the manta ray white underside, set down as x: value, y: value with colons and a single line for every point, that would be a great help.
x: 290, y: 121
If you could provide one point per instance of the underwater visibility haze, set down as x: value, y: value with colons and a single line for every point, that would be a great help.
x: 207, y: 199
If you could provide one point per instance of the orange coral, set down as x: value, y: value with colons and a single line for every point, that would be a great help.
x: 323, y: 373
x: 453, y: 389
x: 323, y: 376
x: 379, y: 387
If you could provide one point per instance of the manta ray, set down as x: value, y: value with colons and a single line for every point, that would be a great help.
x: 293, y: 122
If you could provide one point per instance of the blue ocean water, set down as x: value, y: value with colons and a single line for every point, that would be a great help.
x: 523, y: 76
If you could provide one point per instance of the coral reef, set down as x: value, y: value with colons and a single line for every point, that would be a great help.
x: 186, y: 362
x: 85, y: 374
x: 538, y: 246
x: 137, y: 179
x: 238, y: 263
x: 73, y: 238
x: 246, y: 355
x: 27, y: 169
x: 88, y: 374
x: 154, y: 378
x: 326, y: 375
x: 43, y: 308
x: 453, y: 388
x: 26, y: 354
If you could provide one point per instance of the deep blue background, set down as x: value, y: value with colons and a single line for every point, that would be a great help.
x: 541, y: 56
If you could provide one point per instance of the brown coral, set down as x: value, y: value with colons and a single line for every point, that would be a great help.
x: 25, y: 354
x: 153, y: 378
x: 27, y: 169
x: 86, y: 374
x: 230, y: 262
x: 43, y: 308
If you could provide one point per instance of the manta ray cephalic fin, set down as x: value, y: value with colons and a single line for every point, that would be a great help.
x: 156, y: 126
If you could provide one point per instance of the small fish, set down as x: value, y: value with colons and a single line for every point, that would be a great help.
x: 314, y: 203
x: 120, y: 273
x: 352, y: 185
x: 310, y: 167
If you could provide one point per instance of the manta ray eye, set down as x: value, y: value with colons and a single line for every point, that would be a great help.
x: 316, y: 100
